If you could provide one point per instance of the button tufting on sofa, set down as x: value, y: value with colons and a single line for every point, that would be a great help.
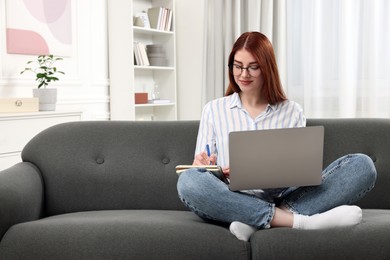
x: 100, y: 160
x: 165, y: 160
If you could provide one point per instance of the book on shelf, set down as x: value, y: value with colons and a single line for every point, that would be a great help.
x: 160, y: 18
x: 168, y: 24
x: 154, y: 15
x: 141, y: 58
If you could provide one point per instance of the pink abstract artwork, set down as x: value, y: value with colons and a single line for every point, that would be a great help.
x: 36, y: 27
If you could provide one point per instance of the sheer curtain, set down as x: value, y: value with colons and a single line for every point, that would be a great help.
x: 333, y: 55
x: 338, y: 57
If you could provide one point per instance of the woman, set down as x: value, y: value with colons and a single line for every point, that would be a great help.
x: 254, y: 101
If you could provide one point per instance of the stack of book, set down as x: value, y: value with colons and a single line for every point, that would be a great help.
x: 160, y: 18
x: 141, y: 58
x: 156, y: 55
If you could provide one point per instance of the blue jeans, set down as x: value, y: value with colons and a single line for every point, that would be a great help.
x: 344, y: 181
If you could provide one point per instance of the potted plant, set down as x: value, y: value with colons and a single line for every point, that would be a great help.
x: 45, y: 73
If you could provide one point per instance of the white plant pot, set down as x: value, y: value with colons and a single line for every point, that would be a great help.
x: 47, y: 98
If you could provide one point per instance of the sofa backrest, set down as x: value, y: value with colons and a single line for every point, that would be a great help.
x: 102, y: 165
x: 359, y: 135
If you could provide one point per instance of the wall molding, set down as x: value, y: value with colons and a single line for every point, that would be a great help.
x: 30, y: 83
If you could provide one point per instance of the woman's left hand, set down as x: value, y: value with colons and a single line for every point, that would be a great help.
x: 226, y: 171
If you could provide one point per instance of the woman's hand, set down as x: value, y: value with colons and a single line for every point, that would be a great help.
x: 203, y: 159
x: 226, y: 171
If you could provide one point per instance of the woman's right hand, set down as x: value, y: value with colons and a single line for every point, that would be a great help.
x: 203, y: 159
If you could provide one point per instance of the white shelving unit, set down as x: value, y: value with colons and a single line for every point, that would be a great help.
x: 126, y: 79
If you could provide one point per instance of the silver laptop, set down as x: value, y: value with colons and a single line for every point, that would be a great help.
x: 288, y: 157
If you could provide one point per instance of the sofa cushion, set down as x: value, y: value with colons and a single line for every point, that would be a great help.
x: 120, y: 235
x: 368, y: 240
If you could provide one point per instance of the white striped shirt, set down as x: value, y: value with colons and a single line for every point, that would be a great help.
x: 224, y: 115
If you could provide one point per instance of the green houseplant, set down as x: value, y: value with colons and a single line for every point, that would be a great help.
x: 45, y: 73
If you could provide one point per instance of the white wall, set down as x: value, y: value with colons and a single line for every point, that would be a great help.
x: 84, y: 87
x: 189, y: 37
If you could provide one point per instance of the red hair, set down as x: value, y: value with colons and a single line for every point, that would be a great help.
x: 261, y: 48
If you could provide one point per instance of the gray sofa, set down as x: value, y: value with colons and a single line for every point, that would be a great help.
x: 107, y: 190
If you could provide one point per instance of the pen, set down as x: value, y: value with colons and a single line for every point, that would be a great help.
x: 208, y: 150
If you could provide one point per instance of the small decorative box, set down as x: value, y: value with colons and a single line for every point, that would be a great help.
x: 141, y: 98
x: 12, y: 105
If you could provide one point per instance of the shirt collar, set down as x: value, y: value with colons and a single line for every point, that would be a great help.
x: 235, y: 101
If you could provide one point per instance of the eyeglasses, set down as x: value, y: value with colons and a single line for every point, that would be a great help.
x: 253, y: 70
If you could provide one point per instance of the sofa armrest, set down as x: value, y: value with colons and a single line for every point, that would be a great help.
x: 21, y: 195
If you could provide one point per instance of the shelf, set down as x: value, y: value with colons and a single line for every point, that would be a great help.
x: 155, y: 105
x: 40, y: 114
x: 148, y: 31
x: 137, y: 67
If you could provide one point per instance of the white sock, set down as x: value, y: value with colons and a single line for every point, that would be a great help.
x: 241, y: 231
x: 341, y: 216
